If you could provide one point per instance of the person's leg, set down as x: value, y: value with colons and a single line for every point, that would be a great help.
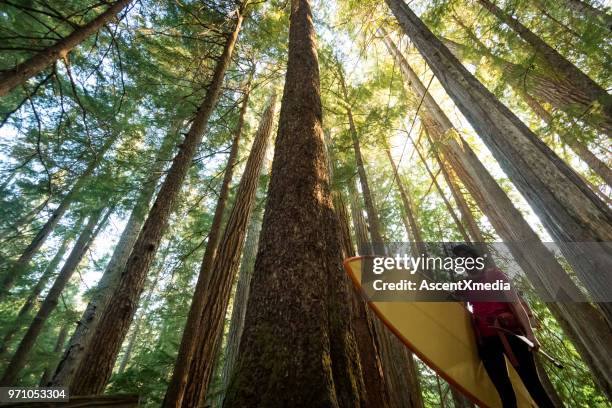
x: 529, y: 374
x: 492, y: 356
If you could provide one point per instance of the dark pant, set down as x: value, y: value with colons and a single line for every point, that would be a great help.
x: 492, y: 354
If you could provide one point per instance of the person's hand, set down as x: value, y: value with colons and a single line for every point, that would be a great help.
x: 532, y: 338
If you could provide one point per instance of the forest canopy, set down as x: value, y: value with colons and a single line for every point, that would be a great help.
x: 181, y: 181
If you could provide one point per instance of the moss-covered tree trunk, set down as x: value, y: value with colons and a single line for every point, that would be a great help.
x: 18, y: 75
x: 66, y: 368
x: 297, y: 348
x: 96, y: 366
x: 19, y: 358
x: 568, y: 208
x: 178, y: 381
x: 581, y: 321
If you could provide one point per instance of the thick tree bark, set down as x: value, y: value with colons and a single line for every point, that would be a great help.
x: 178, y: 381
x: 565, y: 71
x: 96, y: 366
x: 217, y: 293
x: 240, y: 300
x: 18, y: 75
x: 580, y: 320
x: 32, y: 298
x: 568, y: 208
x: 18, y: 361
x: 297, y: 348
x: 57, y: 349
x: 20, y: 266
x: 85, y: 328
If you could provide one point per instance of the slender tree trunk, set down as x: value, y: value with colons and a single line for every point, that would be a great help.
x: 18, y: 361
x: 412, y: 225
x: 59, y: 345
x: 85, y: 328
x: 217, y: 293
x: 376, y: 394
x: 22, y: 72
x: 447, y: 203
x: 360, y: 227
x: 97, y: 363
x: 453, y: 183
x: 397, y: 362
x: 564, y: 69
x: 373, y: 222
x: 20, y: 266
x: 580, y: 320
x: 569, y: 209
x: 296, y: 326
x: 240, y: 300
x: 138, y: 324
x: 28, y: 305
x: 178, y: 381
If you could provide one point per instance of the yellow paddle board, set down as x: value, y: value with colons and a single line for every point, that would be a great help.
x: 441, y: 335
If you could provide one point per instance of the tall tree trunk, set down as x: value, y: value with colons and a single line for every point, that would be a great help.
x: 20, y: 266
x: 240, y: 300
x: 565, y: 71
x: 569, y: 209
x: 18, y: 361
x: 360, y: 227
x: 447, y: 203
x: 453, y: 183
x: 30, y: 302
x: 296, y: 326
x: 373, y: 222
x: 363, y: 323
x: 376, y: 394
x: 397, y: 362
x: 176, y: 388
x: 139, y: 320
x: 217, y: 292
x: 412, y: 225
x: 580, y: 320
x: 18, y: 75
x: 96, y: 366
x: 526, y: 83
x: 59, y: 345
x: 65, y: 370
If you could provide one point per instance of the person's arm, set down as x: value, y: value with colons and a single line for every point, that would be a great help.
x: 523, y: 318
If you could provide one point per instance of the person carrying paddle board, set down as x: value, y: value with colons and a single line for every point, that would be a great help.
x: 496, y: 317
